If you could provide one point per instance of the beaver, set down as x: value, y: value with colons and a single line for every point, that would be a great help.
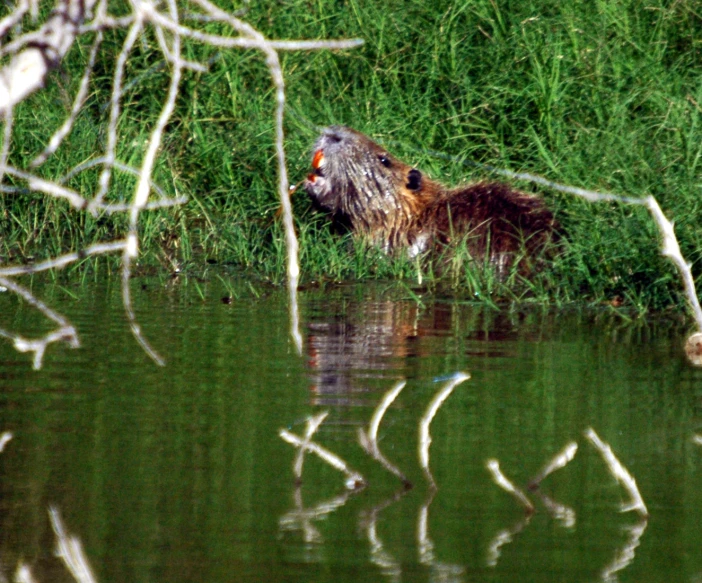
x: 397, y: 207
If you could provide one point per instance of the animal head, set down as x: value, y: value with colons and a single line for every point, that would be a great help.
x: 355, y: 177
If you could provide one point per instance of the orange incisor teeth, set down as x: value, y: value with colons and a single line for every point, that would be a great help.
x: 312, y: 177
x: 318, y: 159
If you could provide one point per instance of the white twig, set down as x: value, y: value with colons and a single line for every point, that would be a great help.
x: 26, y: 71
x: 14, y: 17
x: 5, y: 437
x: 65, y: 331
x: 369, y: 439
x: 425, y: 422
x: 560, y: 512
x: 47, y: 187
x: 354, y: 480
x: 141, y: 195
x: 504, y: 537
x: 671, y: 249
x: 70, y: 550
x: 63, y: 260
x: 313, y: 424
x: 7, y: 137
x: 558, y: 461
x: 78, y: 102
x: 425, y: 548
x: 503, y: 482
x: 29, y: 58
x: 620, y: 473
x: 670, y: 246
x: 23, y: 574
x: 301, y: 518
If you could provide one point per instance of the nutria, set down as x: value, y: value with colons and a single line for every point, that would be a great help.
x: 395, y: 206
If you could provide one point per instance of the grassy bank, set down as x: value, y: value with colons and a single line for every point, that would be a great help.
x: 602, y: 95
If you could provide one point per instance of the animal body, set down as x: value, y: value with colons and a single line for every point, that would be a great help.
x: 396, y: 206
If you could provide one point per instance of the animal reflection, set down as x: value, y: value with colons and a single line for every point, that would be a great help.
x: 350, y: 346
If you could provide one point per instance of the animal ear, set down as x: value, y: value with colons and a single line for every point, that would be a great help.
x: 414, y: 179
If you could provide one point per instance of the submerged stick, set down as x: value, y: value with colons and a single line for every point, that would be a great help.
x: 620, y: 473
x: 354, y: 480
x: 313, y: 424
x: 506, y: 484
x: 4, y: 438
x: 369, y: 439
x: 425, y: 422
x: 560, y: 460
x: 23, y: 574
x: 70, y: 550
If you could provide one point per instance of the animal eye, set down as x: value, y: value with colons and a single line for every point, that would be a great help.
x: 385, y: 161
x: 414, y: 179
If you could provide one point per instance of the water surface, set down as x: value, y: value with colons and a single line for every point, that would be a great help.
x: 178, y: 473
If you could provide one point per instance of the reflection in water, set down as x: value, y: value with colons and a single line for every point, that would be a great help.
x: 440, y: 572
x: 625, y: 555
x: 368, y: 519
x: 374, y: 338
x: 502, y: 538
x: 561, y: 513
x: 69, y: 549
x: 179, y: 476
x: 343, y: 351
x: 301, y: 519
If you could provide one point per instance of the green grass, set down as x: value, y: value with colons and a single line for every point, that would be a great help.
x: 602, y: 95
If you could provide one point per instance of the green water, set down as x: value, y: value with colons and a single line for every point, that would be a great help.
x: 178, y: 473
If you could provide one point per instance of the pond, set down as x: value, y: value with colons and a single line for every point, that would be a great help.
x: 180, y: 474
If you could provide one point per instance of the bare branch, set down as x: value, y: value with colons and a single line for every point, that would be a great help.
x: 313, y: 424
x: 670, y: 246
x: 506, y: 484
x: 620, y: 474
x: 425, y: 422
x: 78, y: 102
x: 7, y: 135
x: 354, y: 480
x: 671, y: 249
x: 27, y: 70
x: 560, y: 460
x: 106, y: 174
x: 63, y: 260
x: 70, y: 550
x: 5, y: 437
x: 625, y: 556
x: 369, y: 439
x: 14, y: 18
x: 33, y: 54
x: 23, y: 574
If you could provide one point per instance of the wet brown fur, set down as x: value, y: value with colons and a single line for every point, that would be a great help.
x: 397, y: 207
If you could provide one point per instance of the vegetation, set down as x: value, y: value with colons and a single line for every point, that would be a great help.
x: 602, y: 95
